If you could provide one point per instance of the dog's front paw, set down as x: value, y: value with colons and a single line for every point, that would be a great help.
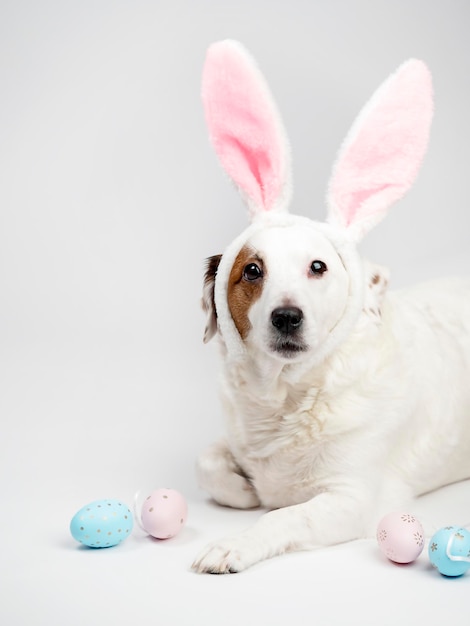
x: 228, y: 556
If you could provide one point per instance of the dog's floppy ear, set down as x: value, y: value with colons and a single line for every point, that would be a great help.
x: 208, y: 304
x: 376, y: 282
x: 380, y: 157
x: 245, y: 128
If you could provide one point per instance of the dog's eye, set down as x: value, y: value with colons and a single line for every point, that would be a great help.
x: 318, y: 268
x: 252, y: 272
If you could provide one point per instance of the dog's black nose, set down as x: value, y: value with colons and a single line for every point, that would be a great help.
x: 287, y: 319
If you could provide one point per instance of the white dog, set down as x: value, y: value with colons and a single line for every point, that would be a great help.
x: 343, y: 402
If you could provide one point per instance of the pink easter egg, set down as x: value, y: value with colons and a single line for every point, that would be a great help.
x: 400, y: 537
x: 164, y: 513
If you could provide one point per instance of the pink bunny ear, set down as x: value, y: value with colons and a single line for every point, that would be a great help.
x: 381, y: 156
x: 245, y: 127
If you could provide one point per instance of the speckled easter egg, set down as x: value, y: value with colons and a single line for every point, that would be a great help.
x: 400, y: 537
x: 102, y: 523
x: 164, y: 513
x: 449, y: 551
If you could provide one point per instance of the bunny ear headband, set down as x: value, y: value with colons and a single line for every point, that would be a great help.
x: 377, y: 163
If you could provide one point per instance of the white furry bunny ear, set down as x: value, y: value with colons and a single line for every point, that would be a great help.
x: 381, y: 156
x: 245, y: 128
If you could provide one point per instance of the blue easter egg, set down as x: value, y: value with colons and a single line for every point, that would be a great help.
x: 449, y: 551
x: 102, y: 524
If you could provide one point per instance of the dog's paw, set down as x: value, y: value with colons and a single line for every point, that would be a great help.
x: 228, y: 556
x: 219, y: 475
x: 238, y: 493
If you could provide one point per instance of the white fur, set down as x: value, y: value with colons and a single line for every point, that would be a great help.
x: 385, y: 417
x: 332, y: 445
x: 375, y: 408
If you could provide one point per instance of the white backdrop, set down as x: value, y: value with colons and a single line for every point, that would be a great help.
x: 110, y: 200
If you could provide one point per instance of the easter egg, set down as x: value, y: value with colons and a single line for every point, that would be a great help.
x: 164, y: 513
x: 449, y: 550
x: 400, y: 537
x: 102, y: 523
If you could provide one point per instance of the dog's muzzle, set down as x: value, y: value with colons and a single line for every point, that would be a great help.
x: 286, y: 327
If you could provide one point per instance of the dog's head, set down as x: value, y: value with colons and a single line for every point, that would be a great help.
x: 288, y: 286
x: 286, y: 290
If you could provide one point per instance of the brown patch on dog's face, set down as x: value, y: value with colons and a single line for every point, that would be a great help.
x: 245, y: 286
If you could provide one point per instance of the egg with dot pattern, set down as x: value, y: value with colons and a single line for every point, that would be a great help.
x: 164, y: 513
x: 449, y: 551
x: 102, y: 524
